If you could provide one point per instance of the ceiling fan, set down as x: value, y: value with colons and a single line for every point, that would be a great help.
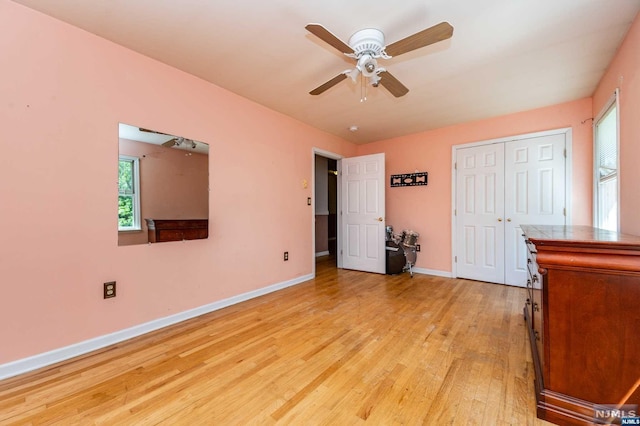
x: 180, y: 141
x: 368, y: 45
x: 175, y: 141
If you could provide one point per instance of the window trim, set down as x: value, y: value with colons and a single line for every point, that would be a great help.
x: 137, y: 226
x: 613, y: 101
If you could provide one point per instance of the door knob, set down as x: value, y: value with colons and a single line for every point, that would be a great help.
x: 379, y: 219
x: 509, y: 220
x: 499, y: 219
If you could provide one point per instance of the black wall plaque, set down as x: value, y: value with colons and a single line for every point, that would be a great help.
x: 409, y: 179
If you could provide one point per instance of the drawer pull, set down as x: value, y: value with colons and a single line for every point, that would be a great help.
x: 536, y: 307
x: 528, y: 301
x: 537, y: 333
x: 535, y: 278
x: 528, y: 283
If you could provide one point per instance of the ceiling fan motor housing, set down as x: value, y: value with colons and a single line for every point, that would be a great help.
x: 368, y: 41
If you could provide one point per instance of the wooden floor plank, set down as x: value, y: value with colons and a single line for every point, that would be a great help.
x: 344, y: 348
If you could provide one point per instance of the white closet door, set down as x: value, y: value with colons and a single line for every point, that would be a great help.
x: 480, y: 208
x: 500, y: 186
x: 534, y: 194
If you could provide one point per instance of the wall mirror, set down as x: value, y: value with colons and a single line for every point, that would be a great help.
x: 163, y: 187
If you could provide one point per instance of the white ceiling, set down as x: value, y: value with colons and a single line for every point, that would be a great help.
x: 505, y: 55
x: 133, y: 133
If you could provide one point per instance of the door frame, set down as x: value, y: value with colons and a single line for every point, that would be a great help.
x: 567, y: 131
x: 332, y: 155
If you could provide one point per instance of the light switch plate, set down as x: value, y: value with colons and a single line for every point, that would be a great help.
x: 109, y: 290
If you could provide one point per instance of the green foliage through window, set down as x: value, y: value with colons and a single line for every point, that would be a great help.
x: 126, y: 193
x: 125, y: 176
x: 125, y: 211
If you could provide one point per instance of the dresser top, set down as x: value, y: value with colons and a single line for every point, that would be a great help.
x: 579, y: 236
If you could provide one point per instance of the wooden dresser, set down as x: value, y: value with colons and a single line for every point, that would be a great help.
x: 583, y: 316
x: 161, y: 230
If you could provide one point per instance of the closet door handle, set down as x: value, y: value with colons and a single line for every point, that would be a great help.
x: 499, y: 219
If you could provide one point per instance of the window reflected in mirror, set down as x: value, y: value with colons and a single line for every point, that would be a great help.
x: 163, y: 187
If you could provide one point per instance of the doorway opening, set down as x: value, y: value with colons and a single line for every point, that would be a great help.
x: 357, y: 204
x: 326, y: 209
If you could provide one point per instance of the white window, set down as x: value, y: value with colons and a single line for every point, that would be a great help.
x: 606, y: 167
x: 128, y: 193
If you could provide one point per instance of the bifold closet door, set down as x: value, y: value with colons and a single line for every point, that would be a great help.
x: 479, y: 213
x: 534, y: 194
x: 499, y: 187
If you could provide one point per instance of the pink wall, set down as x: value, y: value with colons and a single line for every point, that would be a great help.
x: 64, y: 91
x: 623, y: 73
x: 63, y: 96
x: 427, y: 209
x: 173, y: 185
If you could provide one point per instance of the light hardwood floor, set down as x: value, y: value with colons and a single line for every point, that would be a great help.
x: 346, y: 348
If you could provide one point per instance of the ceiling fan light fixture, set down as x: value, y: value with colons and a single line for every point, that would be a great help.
x: 368, y: 45
x: 367, y: 64
x: 184, y: 142
x: 375, y: 79
x: 354, y: 73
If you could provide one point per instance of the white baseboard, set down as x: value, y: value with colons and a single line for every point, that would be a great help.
x: 322, y: 253
x: 445, y: 274
x: 35, y: 362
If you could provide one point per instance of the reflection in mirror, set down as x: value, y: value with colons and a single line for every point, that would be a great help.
x: 163, y: 187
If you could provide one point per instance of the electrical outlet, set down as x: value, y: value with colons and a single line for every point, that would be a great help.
x: 286, y: 256
x: 417, y: 247
x: 109, y: 290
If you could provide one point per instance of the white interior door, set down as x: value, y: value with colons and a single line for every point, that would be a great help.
x: 500, y: 186
x: 479, y: 212
x: 534, y: 194
x: 363, y: 212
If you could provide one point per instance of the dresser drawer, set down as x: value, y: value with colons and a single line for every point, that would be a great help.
x: 161, y: 230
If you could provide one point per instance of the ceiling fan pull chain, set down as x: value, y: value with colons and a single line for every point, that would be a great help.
x: 363, y: 88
